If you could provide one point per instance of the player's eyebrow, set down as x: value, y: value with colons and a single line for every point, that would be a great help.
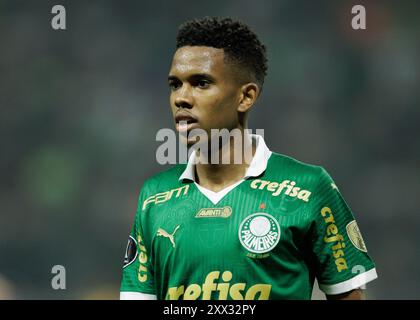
x: 201, y: 76
x: 172, y: 78
x: 194, y: 77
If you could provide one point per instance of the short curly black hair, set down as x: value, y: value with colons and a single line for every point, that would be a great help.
x: 241, y: 46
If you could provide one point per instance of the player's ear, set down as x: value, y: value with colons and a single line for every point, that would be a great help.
x: 248, y: 95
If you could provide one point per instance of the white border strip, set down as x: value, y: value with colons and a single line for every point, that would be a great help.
x: 137, y: 296
x: 350, y: 284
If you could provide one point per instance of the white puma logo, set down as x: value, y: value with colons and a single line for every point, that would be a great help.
x: 163, y: 233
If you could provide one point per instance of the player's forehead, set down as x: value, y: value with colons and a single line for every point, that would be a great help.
x: 197, y: 59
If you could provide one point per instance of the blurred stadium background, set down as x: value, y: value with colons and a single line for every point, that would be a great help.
x: 80, y: 110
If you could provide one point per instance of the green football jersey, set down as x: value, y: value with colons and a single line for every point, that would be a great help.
x: 266, y: 237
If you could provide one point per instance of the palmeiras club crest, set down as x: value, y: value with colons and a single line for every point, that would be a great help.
x: 259, y: 232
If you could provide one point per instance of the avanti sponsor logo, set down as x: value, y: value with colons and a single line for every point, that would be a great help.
x: 224, y: 212
x: 259, y: 232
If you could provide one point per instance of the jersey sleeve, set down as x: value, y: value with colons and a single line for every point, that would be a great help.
x: 340, y: 254
x: 137, y: 277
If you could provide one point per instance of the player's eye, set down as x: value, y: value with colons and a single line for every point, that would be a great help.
x: 203, y: 84
x: 174, y: 85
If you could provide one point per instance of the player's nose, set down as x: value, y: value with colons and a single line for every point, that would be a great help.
x: 184, y: 98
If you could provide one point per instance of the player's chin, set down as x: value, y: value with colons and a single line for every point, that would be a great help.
x: 198, y: 141
x: 192, y: 134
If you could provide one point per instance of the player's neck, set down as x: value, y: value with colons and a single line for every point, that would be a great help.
x: 228, y: 170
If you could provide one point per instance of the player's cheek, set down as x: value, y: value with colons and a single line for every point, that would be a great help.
x: 172, y: 103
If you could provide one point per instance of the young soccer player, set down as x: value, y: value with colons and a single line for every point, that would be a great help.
x: 258, y: 229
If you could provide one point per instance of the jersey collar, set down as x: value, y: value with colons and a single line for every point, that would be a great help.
x: 257, y: 166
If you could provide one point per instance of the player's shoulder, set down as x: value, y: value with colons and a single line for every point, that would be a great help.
x: 313, y: 177
x: 281, y: 163
x: 164, y: 179
x: 305, y: 176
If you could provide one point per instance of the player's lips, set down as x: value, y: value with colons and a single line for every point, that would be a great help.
x: 185, y: 122
x: 183, y: 126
